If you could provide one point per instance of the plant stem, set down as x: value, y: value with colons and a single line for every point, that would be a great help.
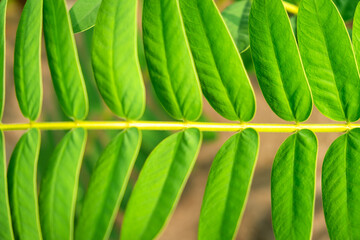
x: 291, y: 8
x: 174, y: 126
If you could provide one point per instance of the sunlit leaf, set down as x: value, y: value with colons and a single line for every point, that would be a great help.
x: 329, y: 60
x: 115, y: 60
x: 346, y: 8
x: 59, y: 185
x: 160, y: 184
x: 3, y: 5
x: 228, y: 186
x: 293, y: 186
x: 64, y: 61
x: 22, y: 185
x: 340, y: 187
x: 83, y: 14
x: 107, y: 186
x: 356, y: 34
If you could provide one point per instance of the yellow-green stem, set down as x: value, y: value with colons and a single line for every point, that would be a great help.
x: 291, y: 8
x: 174, y: 126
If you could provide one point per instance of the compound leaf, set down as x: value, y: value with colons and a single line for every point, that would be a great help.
x: 228, y: 186
x: 293, y: 186
x: 236, y: 17
x: 172, y: 70
x: 329, y: 60
x: 223, y: 78
x: 27, y: 60
x: 83, y: 14
x: 115, y: 60
x: 346, y: 8
x: 59, y: 185
x: 107, y: 186
x: 278, y: 66
x: 340, y: 187
x: 3, y: 5
x: 22, y: 186
x: 63, y: 60
x: 6, y: 230
x: 160, y: 184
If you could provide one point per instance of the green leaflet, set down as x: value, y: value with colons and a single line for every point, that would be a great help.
x: 277, y: 61
x: 64, y: 61
x: 59, y: 185
x: 115, y: 60
x: 83, y: 14
x: 329, y: 60
x: 340, y: 187
x: 27, y: 60
x: 356, y: 34
x: 346, y: 8
x: 169, y: 60
x: 160, y: 184
x: 236, y: 17
x: 223, y: 78
x: 23, y: 196
x: 107, y: 186
x: 6, y: 231
x: 293, y: 186
x: 3, y: 4
x: 228, y: 186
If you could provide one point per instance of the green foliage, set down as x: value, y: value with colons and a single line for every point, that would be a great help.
x: 83, y: 14
x: 356, y: 34
x: 346, y: 8
x: 3, y: 5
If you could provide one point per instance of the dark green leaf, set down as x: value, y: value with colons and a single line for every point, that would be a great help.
x: 329, y: 60
x: 223, y: 78
x: 59, y: 185
x: 293, y: 186
x: 346, y: 8
x: 3, y: 5
x: 23, y: 196
x: 160, y: 184
x: 277, y: 61
x: 107, y: 186
x: 27, y: 60
x: 115, y: 60
x: 172, y: 70
x: 236, y: 17
x: 228, y: 186
x: 83, y: 14
x: 64, y: 61
x: 340, y: 187
x: 6, y: 231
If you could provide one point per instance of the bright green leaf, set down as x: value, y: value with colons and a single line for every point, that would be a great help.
x: 160, y: 184
x: 340, y: 187
x: 22, y: 186
x: 64, y: 61
x: 59, y: 185
x: 277, y: 61
x: 356, y: 34
x: 223, y: 78
x: 3, y: 5
x: 115, y: 60
x: 236, y: 17
x: 27, y: 60
x: 346, y: 8
x: 6, y: 231
x: 172, y: 70
x: 83, y: 14
x: 228, y: 186
x: 107, y: 186
x: 329, y: 60
x: 293, y: 186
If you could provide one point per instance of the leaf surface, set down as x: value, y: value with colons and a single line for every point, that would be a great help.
x: 356, y: 34
x: 340, y: 187
x: 3, y: 5
x: 276, y: 57
x: 107, y: 186
x: 115, y: 59
x: 172, y: 70
x: 6, y: 230
x: 83, y: 14
x: 236, y: 17
x: 22, y: 187
x: 27, y: 60
x: 64, y: 60
x: 59, y: 185
x: 329, y: 60
x: 293, y: 186
x: 228, y: 186
x: 221, y: 71
x: 346, y: 8
x: 160, y: 184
